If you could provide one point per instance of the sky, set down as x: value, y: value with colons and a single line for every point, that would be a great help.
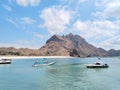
x: 29, y: 23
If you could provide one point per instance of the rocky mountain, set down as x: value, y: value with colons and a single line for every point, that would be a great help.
x: 70, y: 45
x: 18, y: 52
x: 113, y: 52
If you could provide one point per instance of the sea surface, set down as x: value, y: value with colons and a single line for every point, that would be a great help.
x: 66, y: 74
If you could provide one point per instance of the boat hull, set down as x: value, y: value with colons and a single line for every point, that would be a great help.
x: 5, y: 61
x: 96, y: 66
x: 44, y: 64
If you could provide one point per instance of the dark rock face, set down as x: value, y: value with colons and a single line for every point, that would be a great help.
x: 70, y: 45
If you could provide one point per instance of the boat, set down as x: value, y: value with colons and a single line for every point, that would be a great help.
x: 42, y: 63
x: 97, y: 64
x: 5, y: 61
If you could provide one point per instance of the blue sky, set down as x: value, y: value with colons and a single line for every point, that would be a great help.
x: 29, y: 23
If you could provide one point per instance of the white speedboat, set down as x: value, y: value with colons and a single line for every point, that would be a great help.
x: 43, y: 63
x: 5, y: 61
x: 97, y: 64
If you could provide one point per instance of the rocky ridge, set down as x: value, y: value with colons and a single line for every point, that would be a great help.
x: 66, y: 45
x: 70, y: 45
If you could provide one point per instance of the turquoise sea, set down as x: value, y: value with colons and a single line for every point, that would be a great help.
x: 66, y: 74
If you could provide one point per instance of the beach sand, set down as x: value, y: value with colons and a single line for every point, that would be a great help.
x: 32, y: 57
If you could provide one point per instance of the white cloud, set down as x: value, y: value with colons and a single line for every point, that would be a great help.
x: 27, y: 20
x: 105, y: 30
x: 7, y: 7
x: 28, y: 2
x: 112, y: 43
x: 55, y: 19
x: 12, y: 21
x: 90, y: 29
x: 108, y: 8
x: 81, y: 26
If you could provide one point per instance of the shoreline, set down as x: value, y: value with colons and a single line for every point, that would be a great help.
x: 32, y: 57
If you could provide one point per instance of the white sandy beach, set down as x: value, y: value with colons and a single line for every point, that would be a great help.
x: 32, y: 57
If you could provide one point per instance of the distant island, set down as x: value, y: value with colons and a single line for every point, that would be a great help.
x: 68, y: 45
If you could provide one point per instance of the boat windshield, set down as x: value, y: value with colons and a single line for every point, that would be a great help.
x: 45, y: 60
x: 98, y: 62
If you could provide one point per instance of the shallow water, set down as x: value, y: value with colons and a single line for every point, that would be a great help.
x: 66, y: 74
